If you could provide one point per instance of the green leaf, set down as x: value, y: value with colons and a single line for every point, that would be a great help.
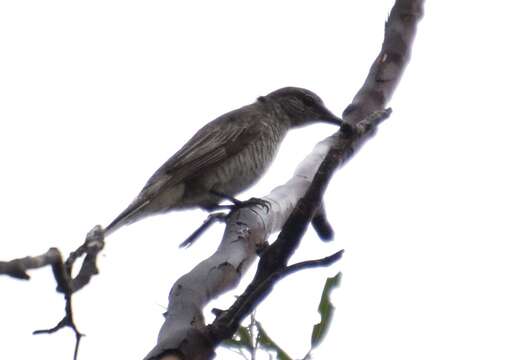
x: 326, y: 310
x: 245, y: 337
x: 268, y: 344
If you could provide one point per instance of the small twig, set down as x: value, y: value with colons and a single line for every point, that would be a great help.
x: 321, y: 224
x: 253, y: 335
x: 326, y: 261
x: 92, y: 246
x: 67, y: 321
x: 256, y: 292
x: 62, y: 271
x: 389, y: 65
x: 17, y: 268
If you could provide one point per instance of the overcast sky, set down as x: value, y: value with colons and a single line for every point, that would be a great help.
x: 95, y: 95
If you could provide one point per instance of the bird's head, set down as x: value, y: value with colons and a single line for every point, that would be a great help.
x: 302, y: 106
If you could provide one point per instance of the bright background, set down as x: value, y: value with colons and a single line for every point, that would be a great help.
x: 95, y: 95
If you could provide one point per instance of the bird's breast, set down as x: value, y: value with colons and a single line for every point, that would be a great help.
x: 246, y: 167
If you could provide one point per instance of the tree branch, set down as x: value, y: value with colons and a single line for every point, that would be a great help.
x: 62, y: 271
x: 390, y: 63
x: 183, y: 329
x: 274, y: 260
x: 321, y: 225
x: 17, y: 268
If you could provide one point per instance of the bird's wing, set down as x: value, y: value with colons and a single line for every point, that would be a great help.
x: 214, y: 143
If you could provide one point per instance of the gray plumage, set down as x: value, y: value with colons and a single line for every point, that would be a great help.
x: 227, y: 155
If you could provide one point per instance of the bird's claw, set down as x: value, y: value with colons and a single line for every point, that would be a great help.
x: 213, y: 217
x: 238, y: 204
x: 259, y: 202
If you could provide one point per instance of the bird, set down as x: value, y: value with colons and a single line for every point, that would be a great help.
x: 226, y: 156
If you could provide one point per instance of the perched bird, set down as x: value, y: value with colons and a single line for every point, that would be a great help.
x: 227, y: 155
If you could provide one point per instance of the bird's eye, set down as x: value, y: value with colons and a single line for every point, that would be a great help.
x: 308, y: 100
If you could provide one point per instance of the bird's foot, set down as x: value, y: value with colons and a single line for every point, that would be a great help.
x: 211, y: 219
x: 253, y: 202
x: 238, y: 204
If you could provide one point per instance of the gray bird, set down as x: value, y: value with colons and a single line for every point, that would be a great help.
x: 227, y: 155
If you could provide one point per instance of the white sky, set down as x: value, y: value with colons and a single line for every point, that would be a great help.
x: 95, y: 95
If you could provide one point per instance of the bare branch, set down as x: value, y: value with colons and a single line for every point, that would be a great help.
x: 389, y: 65
x: 62, y: 271
x: 309, y: 264
x: 17, y: 268
x: 67, y: 321
x: 321, y: 224
x: 227, y: 323
x: 91, y: 248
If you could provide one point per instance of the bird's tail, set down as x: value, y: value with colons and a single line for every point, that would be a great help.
x: 129, y: 215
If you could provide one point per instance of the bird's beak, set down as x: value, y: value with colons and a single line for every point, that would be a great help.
x: 328, y: 117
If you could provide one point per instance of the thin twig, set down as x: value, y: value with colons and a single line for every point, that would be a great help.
x: 62, y: 271
x: 17, y: 268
